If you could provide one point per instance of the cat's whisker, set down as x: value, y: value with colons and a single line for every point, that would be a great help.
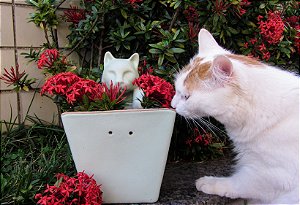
x: 210, y: 127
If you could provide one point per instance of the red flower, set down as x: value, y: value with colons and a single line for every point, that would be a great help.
x: 59, y: 84
x: 253, y: 41
x: 145, y: 68
x: 199, y: 139
x: 246, y: 45
x: 259, y: 17
x: 84, y: 87
x: 156, y: 89
x: 133, y: 2
x: 47, y: 58
x: 266, y: 55
x: 81, y: 189
x: 189, y: 142
x: 272, y: 29
x: 114, y: 92
x: 293, y: 20
x: 74, y: 14
x: 13, y: 76
x: 74, y: 90
x: 242, y: 11
x: 262, y: 47
x: 245, y: 3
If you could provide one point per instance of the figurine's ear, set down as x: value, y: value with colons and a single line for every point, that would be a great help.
x: 108, y: 57
x: 134, y: 59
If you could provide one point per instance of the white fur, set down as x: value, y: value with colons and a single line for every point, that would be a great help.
x: 259, y: 107
x: 123, y: 71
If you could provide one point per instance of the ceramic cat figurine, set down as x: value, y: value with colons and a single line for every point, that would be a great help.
x: 123, y: 71
x: 259, y: 106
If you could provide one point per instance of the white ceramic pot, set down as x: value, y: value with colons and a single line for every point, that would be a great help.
x: 126, y: 150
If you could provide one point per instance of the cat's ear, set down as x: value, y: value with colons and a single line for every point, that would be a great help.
x: 108, y: 57
x: 206, y: 42
x: 222, y: 69
x: 134, y: 59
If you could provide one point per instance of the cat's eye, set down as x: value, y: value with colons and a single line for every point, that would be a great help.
x: 186, y: 97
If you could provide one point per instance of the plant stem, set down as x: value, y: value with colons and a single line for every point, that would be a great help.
x: 84, y: 37
x: 92, y: 56
x: 100, y: 48
x: 59, y: 4
x: 174, y: 18
x: 83, y: 58
x: 16, y: 59
x: 46, y: 34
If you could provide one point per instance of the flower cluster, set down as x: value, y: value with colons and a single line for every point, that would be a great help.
x: 240, y: 7
x: 271, y: 29
x: 74, y: 15
x: 157, y: 91
x: 52, y: 62
x: 19, y: 80
x: 81, y: 189
x: 47, y: 58
x: 294, y: 22
x: 77, y: 91
x: 13, y: 76
x: 59, y: 84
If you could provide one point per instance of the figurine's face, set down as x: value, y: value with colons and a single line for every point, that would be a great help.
x: 122, y: 71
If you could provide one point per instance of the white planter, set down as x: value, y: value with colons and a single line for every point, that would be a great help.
x: 126, y: 150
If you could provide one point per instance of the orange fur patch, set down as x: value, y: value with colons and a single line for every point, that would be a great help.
x: 245, y: 59
x: 198, y: 71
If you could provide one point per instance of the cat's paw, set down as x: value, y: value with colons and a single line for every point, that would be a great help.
x: 215, y: 185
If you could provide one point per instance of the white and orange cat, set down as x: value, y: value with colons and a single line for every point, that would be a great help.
x: 259, y: 107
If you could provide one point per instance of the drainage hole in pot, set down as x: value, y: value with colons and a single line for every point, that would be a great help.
x: 110, y: 132
x: 130, y: 133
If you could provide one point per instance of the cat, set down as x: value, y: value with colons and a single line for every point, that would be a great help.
x: 259, y: 107
x: 123, y: 71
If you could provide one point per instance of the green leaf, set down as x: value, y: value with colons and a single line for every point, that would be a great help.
x: 177, y: 4
x: 262, y: 6
x: 177, y: 50
x: 235, y: 2
x: 158, y: 46
x: 215, y: 20
x: 171, y: 59
x: 176, y: 34
x: 161, y: 59
x: 154, y: 51
x: 232, y: 30
x: 124, y: 13
x: 25, y: 88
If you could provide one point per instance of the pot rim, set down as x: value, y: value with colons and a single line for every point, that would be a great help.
x: 120, y: 111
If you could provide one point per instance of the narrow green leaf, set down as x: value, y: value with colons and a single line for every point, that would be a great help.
x: 124, y: 13
x: 154, y: 51
x: 161, y: 59
x: 177, y: 50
